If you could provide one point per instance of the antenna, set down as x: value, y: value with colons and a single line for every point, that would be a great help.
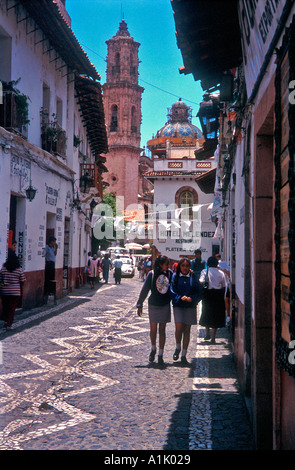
x: 122, y: 11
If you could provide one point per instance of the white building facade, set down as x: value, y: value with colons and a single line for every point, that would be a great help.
x: 181, y: 210
x: 47, y: 143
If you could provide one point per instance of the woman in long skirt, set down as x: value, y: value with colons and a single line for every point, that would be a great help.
x: 213, y: 305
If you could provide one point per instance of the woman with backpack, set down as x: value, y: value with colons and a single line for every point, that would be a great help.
x: 157, y: 282
x: 185, y: 292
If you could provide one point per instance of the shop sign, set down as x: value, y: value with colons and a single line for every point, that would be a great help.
x: 259, y: 20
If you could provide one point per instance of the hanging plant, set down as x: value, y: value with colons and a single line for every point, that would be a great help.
x: 77, y: 141
x: 83, y: 156
x: 53, y: 136
x: 17, y: 105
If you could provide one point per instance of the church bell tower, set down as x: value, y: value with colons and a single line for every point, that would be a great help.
x: 122, y: 105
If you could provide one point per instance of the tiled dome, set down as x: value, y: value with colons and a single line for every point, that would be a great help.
x: 179, y: 123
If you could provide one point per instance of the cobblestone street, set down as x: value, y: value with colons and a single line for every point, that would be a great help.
x: 75, y: 376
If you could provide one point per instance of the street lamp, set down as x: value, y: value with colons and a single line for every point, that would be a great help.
x: 209, y: 118
x: 31, y: 192
x: 86, y: 182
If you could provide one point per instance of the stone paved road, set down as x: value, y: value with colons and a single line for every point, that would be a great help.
x: 76, y: 376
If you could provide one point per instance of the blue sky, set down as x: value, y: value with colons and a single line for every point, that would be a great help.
x: 151, y: 23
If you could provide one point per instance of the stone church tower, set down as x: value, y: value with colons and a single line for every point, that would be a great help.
x: 122, y: 105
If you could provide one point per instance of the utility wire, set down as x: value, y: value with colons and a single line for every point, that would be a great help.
x: 141, y: 80
x: 165, y: 91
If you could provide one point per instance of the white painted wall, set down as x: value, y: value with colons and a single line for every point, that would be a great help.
x: 35, y: 66
x: 241, y: 216
x: 184, y: 241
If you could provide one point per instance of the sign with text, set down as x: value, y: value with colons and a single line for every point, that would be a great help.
x: 258, y: 23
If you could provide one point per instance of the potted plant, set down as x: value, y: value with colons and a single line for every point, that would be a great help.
x: 77, y: 141
x: 52, y: 135
x: 15, y: 110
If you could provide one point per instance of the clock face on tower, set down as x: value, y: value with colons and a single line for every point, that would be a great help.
x: 169, y: 130
x: 184, y: 130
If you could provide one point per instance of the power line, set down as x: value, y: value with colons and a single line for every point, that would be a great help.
x: 168, y: 92
x: 141, y: 80
x: 94, y: 52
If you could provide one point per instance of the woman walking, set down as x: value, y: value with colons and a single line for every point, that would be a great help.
x: 213, y: 305
x: 106, y: 263
x: 118, y: 270
x: 158, y: 282
x: 185, y: 292
x: 93, y: 270
x: 12, y: 279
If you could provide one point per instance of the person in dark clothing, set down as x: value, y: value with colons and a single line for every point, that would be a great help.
x: 106, y: 264
x: 50, y: 256
x: 158, y: 283
x: 12, y: 279
x: 186, y: 292
x: 197, y: 265
x: 118, y: 270
x: 213, y: 306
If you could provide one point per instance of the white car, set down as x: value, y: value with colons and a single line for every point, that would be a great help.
x: 127, y: 269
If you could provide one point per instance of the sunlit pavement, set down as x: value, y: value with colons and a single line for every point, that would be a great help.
x: 76, y: 376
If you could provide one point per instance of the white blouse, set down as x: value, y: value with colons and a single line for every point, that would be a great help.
x: 217, y: 279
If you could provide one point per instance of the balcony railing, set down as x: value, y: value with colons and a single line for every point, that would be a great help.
x: 87, y: 176
x: 14, y: 112
x: 53, y: 136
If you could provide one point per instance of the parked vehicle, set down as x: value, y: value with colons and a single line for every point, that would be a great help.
x: 128, y: 269
x: 114, y: 251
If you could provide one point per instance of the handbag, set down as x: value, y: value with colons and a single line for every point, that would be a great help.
x: 206, y: 282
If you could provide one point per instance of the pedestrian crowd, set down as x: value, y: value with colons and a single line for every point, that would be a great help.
x: 98, y: 265
x: 184, y: 286
x: 144, y: 267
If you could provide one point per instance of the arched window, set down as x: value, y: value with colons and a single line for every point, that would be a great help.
x: 187, y: 196
x: 132, y: 66
x: 114, y: 118
x: 116, y: 67
x: 133, y: 120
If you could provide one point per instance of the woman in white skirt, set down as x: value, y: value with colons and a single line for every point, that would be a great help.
x: 213, y: 305
x: 157, y: 282
x: 185, y: 292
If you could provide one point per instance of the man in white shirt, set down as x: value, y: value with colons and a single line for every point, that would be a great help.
x: 224, y: 267
x: 118, y: 270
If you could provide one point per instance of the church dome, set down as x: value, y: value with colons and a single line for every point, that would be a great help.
x: 179, y: 123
